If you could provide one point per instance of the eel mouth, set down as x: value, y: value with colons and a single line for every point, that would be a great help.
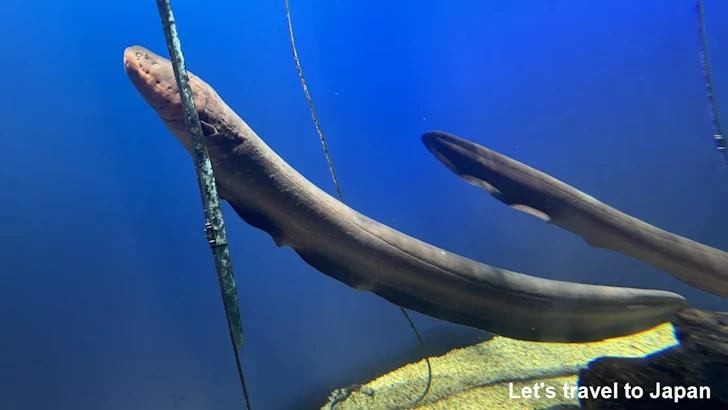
x: 461, y: 157
x: 153, y: 76
x: 445, y: 148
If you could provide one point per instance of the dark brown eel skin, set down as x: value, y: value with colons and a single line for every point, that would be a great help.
x: 532, y: 191
x: 364, y: 254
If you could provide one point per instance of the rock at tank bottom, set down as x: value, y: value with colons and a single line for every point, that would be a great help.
x: 692, y: 375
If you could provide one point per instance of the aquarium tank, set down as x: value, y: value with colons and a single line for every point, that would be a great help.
x: 301, y: 204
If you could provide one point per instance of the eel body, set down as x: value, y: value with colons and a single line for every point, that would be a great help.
x: 270, y: 195
x: 602, y: 226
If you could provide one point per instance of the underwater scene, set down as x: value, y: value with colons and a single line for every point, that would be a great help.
x: 364, y: 205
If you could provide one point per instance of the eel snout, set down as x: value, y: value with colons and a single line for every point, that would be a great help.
x: 466, y: 160
x: 153, y: 76
x: 438, y: 144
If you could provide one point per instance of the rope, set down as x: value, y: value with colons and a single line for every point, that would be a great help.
x: 720, y: 142
x: 310, y: 106
x: 214, y: 224
x: 338, y: 189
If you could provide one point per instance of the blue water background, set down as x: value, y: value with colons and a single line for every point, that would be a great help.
x: 108, y: 296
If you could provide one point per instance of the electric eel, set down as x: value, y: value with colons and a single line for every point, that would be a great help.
x: 338, y: 241
x: 532, y: 191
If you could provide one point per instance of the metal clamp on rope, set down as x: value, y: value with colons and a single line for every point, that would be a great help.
x: 209, y: 233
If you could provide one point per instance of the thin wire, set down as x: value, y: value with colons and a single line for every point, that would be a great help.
x: 214, y: 223
x: 338, y: 189
x: 310, y: 105
x: 720, y: 142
